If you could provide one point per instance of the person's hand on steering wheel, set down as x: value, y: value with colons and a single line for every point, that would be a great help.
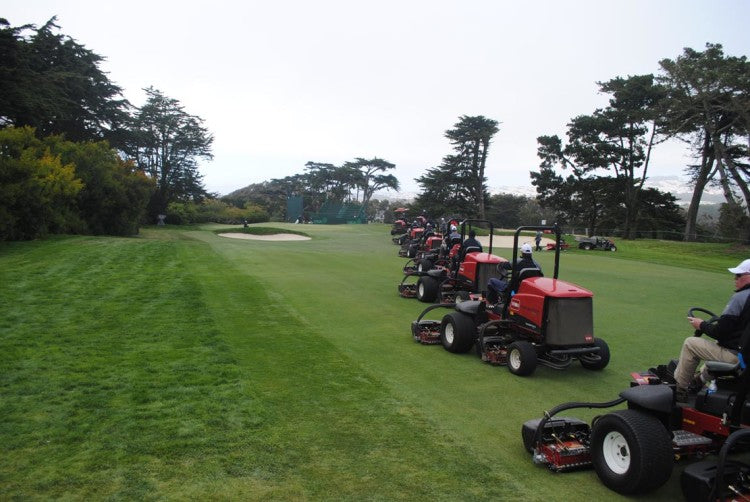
x: 696, y: 321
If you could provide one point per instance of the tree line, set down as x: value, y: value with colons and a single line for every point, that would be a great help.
x: 597, y: 176
x: 75, y: 156
x: 595, y: 179
x: 353, y: 181
x: 74, y: 153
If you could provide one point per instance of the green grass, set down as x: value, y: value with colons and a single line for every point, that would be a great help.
x: 184, y: 365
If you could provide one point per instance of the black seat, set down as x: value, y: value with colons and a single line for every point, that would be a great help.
x: 470, y: 249
x: 524, y: 273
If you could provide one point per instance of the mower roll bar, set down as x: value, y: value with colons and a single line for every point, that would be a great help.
x: 553, y: 228
x: 472, y: 223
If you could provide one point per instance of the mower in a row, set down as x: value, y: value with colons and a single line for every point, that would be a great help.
x: 442, y: 277
x: 633, y: 450
x: 538, y: 320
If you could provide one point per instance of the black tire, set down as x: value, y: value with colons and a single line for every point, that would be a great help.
x: 462, y: 296
x: 631, y: 451
x: 586, y: 247
x: 597, y: 361
x: 424, y: 265
x: 457, y: 332
x: 427, y: 289
x: 613, y: 248
x: 521, y: 358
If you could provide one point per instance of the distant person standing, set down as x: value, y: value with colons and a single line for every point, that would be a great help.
x: 538, y: 240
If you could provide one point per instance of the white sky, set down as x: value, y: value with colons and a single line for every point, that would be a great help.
x: 283, y: 82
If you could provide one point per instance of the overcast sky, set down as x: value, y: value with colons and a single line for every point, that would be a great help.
x: 279, y: 83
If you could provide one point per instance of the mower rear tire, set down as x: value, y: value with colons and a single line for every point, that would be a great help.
x: 521, y: 358
x: 427, y: 289
x: 598, y: 360
x: 631, y: 451
x: 457, y: 332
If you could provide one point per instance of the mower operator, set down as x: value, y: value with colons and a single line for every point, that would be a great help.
x: 727, y: 331
x: 496, y: 286
x: 472, y: 241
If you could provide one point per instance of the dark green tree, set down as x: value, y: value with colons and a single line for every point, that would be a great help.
x: 369, y: 176
x: 707, y: 105
x: 166, y: 144
x: 471, y: 137
x: 52, y: 83
x: 445, y: 191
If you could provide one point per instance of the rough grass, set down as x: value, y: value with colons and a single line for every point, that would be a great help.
x: 183, y: 365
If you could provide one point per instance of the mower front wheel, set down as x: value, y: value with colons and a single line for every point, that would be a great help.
x: 521, y: 358
x: 427, y: 289
x: 424, y: 265
x: 596, y: 360
x: 631, y: 451
x: 457, y: 332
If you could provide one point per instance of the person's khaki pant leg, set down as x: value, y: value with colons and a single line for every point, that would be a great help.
x: 694, y: 350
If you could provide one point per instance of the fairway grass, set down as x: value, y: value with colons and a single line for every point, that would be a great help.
x: 183, y: 365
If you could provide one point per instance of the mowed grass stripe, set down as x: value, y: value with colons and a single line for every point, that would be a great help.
x: 343, y: 283
x: 143, y: 368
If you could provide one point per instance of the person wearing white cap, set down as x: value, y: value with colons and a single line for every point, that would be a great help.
x: 496, y: 287
x: 727, y: 331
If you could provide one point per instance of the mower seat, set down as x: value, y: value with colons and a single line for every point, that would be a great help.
x: 524, y: 273
x: 470, y: 249
x: 471, y: 307
x: 722, y: 369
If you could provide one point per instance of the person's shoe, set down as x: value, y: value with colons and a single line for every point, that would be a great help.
x: 681, y: 395
x: 663, y: 373
x: 696, y: 385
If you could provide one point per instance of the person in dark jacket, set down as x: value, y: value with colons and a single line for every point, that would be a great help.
x: 727, y: 331
x: 497, y: 287
x: 471, y: 242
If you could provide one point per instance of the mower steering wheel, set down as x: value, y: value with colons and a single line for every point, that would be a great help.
x: 711, y: 319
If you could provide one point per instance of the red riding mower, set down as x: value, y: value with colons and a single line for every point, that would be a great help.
x: 538, y: 320
x: 633, y: 450
x: 400, y: 226
x: 464, y: 270
x: 413, y: 234
x: 428, y: 242
x: 431, y: 252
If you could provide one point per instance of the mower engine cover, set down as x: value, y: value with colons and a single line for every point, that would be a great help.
x: 566, y: 308
x: 468, y: 268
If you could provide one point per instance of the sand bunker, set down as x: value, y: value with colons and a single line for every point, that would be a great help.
x: 506, y: 241
x: 270, y: 237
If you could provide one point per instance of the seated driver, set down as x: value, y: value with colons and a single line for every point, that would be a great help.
x: 496, y: 287
x: 727, y: 331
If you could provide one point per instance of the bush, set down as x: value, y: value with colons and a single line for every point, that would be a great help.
x: 213, y: 210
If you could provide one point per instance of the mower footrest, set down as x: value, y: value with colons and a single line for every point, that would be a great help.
x: 688, y: 443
